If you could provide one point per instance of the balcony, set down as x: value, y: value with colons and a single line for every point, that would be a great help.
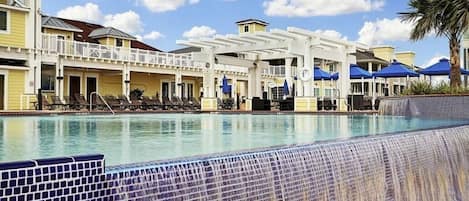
x: 52, y: 45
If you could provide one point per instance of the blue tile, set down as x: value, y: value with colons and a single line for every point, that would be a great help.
x: 13, y: 174
x: 22, y: 173
x: 21, y: 198
x: 37, y: 196
x: 53, y: 161
x: 30, y: 173
x: 17, y: 190
x: 29, y: 180
x: 88, y: 157
x: 33, y: 188
x: 8, y: 191
x: 21, y: 182
x: 25, y: 189
x: 5, y: 175
x: 12, y: 199
x: 12, y: 183
x: 29, y: 197
x: 3, y: 184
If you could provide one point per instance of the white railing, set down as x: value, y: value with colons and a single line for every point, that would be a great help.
x: 275, y: 71
x: 52, y: 44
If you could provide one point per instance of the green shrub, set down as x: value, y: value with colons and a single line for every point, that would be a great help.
x: 418, y: 88
x: 424, y: 88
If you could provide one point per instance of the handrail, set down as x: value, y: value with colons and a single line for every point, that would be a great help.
x: 99, y: 96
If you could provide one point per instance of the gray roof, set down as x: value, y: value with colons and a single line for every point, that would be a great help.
x: 109, y: 31
x: 56, y: 23
x: 186, y: 50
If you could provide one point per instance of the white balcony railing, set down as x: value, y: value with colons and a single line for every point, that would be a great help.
x: 52, y: 44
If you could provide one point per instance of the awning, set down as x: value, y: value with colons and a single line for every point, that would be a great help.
x: 319, y: 74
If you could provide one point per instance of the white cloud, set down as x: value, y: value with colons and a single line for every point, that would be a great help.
x: 382, y: 30
x: 159, y: 6
x: 89, y: 12
x: 128, y: 22
x: 435, y: 59
x: 154, y: 35
x: 331, y: 33
x: 199, y: 32
x: 308, y: 8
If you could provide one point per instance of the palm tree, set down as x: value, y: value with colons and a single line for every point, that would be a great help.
x: 448, y: 18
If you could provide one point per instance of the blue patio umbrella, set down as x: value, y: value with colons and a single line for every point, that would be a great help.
x: 396, y: 69
x: 335, y: 76
x: 356, y: 72
x: 441, y: 68
x: 225, y: 87
x: 319, y: 74
x: 286, y: 90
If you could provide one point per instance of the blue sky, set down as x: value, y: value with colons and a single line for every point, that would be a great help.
x: 162, y: 22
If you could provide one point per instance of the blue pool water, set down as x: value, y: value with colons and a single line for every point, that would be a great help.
x: 146, y: 137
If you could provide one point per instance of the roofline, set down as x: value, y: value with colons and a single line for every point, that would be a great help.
x: 382, y: 46
x: 405, y: 52
x: 61, y: 28
x: 111, y: 36
x: 241, y: 22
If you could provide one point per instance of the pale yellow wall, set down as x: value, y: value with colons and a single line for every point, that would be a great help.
x: 3, y: 1
x: 16, y: 35
x: 112, y: 42
x: 385, y: 53
x: 110, y: 84
x: 148, y: 82
x: 253, y: 27
x: 406, y: 58
x: 15, y: 88
x: 68, y: 34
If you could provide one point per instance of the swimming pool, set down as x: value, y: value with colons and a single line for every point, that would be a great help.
x: 147, y: 137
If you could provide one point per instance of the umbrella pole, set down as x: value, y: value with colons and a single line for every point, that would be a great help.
x: 373, y: 94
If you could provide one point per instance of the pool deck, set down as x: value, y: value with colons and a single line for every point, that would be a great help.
x: 85, y: 112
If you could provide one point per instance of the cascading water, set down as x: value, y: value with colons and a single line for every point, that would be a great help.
x: 426, y: 165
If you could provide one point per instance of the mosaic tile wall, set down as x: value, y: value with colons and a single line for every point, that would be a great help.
x: 372, y: 168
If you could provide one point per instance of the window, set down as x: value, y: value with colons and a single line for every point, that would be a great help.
x: 118, y: 42
x: 246, y: 28
x: 48, y: 80
x: 3, y: 21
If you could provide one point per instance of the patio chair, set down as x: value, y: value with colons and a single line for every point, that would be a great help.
x: 57, y: 103
x: 130, y: 105
x: 195, y: 102
x: 45, y: 103
x: 137, y: 103
x: 187, y: 104
x: 81, y: 101
x: 70, y: 103
x: 158, y: 103
x: 113, y: 102
x: 98, y: 103
x: 169, y: 104
x: 177, y: 102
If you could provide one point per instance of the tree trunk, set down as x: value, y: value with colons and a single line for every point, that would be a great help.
x: 455, y: 72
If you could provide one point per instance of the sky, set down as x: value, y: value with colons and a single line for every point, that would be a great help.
x: 161, y: 22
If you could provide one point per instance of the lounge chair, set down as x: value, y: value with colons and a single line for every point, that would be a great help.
x: 178, y: 102
x: 149, y: 103
x: 130, y: 105
x: 169, y: 104
x: 157, y: 102
x: 98, y: 103
x: 195, y: 102
x: 80, y: 101
x: 45, y: 103
x: 57, y: 103
x: 113, y: 102
x: 70, y: 103
x: 188, y: 104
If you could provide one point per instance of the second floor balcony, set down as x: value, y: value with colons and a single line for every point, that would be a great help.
x: 53, y: 45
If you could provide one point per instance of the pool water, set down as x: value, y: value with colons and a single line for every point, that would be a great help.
x: 147, y: 137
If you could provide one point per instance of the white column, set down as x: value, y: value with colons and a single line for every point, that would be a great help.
x: 126, y: 80
x: 370, y: 84
x: 260, y: 65
x: 309, y: 64
x: 300, y: 86
x: 178, y: 81
x: 288, y: 72
x: 59, y: 82
x: 344, y: 72
x: 209, y: 76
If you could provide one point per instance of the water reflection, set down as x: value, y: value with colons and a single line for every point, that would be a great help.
x: 137, y: 138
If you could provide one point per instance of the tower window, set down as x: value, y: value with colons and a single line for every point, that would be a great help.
x: 246, y: 28
x: 118, y: 42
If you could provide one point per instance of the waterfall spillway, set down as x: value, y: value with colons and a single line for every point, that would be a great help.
x: 425, y: 165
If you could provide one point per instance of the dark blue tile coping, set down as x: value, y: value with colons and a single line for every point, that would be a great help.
x: 48, y: 161
x: 88, y: 157
x: 53, y: 161
x: 17, y: 165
